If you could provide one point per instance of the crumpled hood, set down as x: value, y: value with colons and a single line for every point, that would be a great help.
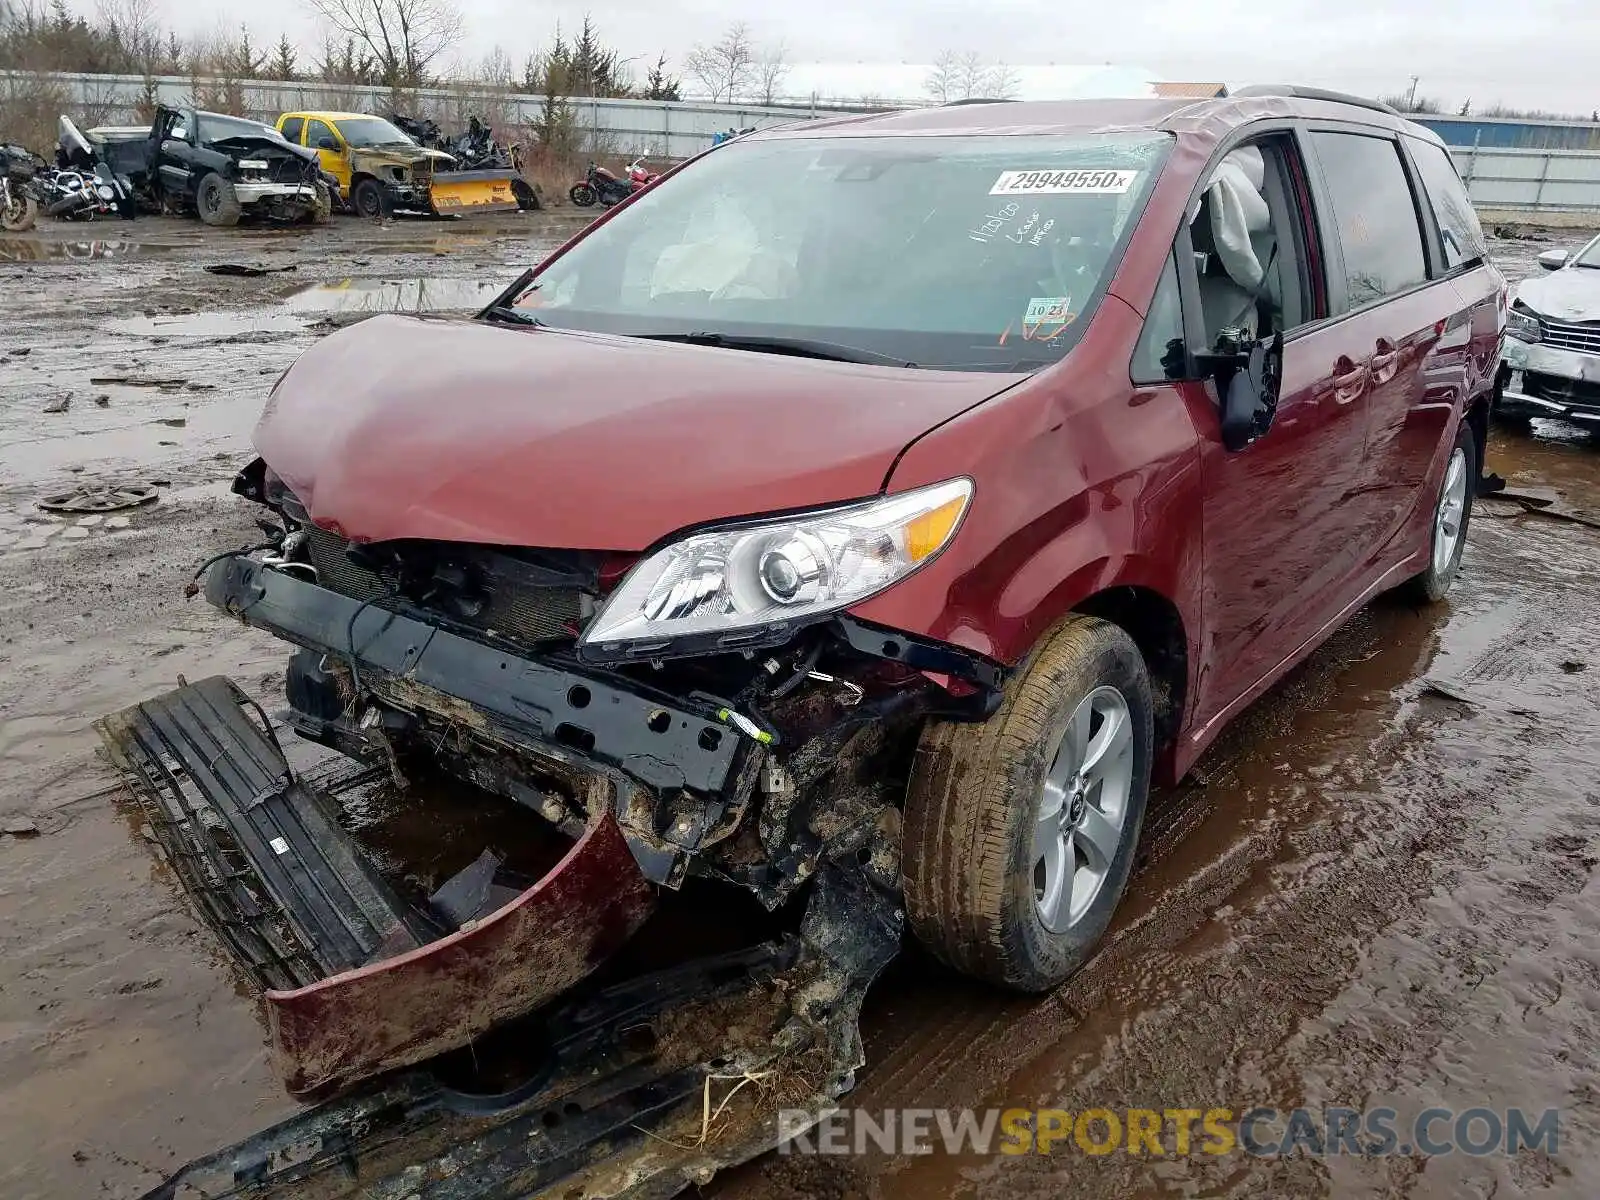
x: 1571, y: 294
x: 409, y: 427
x: 245, y: 146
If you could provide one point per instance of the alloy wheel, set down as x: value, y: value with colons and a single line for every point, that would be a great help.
x: 1082, y: 809
x: 1448, y: 519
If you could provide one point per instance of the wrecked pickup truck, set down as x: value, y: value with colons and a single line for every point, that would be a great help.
x: 857, y: 520
x: 222, y: 168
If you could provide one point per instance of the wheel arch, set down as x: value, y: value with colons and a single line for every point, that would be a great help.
x: 1157, y: 628
x: 1477, y: 419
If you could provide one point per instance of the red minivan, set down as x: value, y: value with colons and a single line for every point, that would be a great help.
x: 864, y: 514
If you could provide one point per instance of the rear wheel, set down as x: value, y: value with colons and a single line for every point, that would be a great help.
x: 369, y: 199
x: 582, y: 195
x: 217, y: 202
x: 1452, y: 509
x: 1020, y: 832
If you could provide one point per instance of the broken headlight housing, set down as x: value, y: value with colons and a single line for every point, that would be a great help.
x: 750, y: 584
x: 1522, y: 324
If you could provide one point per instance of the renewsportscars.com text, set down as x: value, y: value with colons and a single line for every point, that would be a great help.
x: 1176, y: 1132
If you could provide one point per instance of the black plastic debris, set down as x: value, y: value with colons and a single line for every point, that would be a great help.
x: 245, y: 271
x: 100, y: 499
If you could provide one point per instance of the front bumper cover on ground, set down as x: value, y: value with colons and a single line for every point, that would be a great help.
x: 356, y: 981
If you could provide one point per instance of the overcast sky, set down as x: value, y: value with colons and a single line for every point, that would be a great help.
x: 1540, y: 53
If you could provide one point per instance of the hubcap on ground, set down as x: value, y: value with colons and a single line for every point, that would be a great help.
x: 1082, y: 809
x: 1452, y: 509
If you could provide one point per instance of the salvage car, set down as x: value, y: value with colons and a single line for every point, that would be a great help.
x: 1552, y: 347
x: 865, y: 516
x: 377, y: 166
x: 225, y: 169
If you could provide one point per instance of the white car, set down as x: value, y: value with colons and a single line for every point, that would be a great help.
x: 1551, y: 357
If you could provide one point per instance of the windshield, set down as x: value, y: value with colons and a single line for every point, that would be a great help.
x: 955, y: 253
x: 1589, y: 256
x: 372, y: 131
x: 215, y: 129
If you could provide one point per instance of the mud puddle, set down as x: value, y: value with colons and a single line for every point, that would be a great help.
x: 16, y: 249
x: 301, y: 309
x: 396, y: 295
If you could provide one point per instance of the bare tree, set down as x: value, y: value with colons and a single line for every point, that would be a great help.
x: 404, y: 37
x: 725, y: 68
x: 771, y: 69
x: 972, y: 75
x: 944, y: 82
x: 1001, y: 83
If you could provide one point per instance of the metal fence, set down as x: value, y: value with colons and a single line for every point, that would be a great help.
x: 1532, y: 181
x: 1500, y: 178
x: 629, y: 127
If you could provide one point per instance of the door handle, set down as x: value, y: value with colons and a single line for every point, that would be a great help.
x: 1385, y: 363
x: 1349, y: 380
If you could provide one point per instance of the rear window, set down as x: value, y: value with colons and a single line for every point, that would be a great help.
x: 292, y: 127
x: 956, y: 253
x: 1459, y: 229
x: 1375, y: 213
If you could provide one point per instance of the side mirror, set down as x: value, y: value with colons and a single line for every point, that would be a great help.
x: 1249, y: 375
x: 1554, y: 260
x: 327, y: 143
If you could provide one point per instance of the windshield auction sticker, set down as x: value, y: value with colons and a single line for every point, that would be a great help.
x: 1084, y: 182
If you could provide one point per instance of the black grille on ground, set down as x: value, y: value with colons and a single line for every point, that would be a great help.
x: 509, y: 608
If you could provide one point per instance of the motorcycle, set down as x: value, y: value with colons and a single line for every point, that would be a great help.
x: 639, y: 175
x: 82, y: 186
x: 600, y: 186
x: 19, y: 207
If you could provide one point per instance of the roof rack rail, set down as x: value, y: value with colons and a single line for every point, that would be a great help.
x: 977, y: 100
x: 1313, y: 93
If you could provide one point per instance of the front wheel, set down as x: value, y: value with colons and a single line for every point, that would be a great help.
x: 1020, y: 832
x: 19, y: 213
x: 322, y: 209
x: 1452, y: 509
x: 217, y: 202
x: 582, y: 195
x: 369, y: 199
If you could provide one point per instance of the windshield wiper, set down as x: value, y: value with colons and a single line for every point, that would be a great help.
x: 776, y: 344
x: 511, y: 316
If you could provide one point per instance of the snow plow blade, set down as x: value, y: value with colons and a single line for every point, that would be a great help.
x: 357, y: 980
x: 488, y: 191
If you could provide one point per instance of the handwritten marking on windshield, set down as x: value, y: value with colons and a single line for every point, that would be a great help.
x: 994, y: 222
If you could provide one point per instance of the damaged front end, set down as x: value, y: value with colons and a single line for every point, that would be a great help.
x: 772, y: 759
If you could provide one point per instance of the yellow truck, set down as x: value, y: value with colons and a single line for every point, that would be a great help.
x: 381, y: 169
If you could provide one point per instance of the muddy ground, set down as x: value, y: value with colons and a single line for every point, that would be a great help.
x: 1370, y: 893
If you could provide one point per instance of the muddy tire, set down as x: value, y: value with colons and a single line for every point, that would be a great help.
x: 992, y: 806
x: 1452, y: 510
x: 369, y: 200
x: 583, y: 195
x: 322, y: 212
x: 217, y: 202
x: 19, y: 214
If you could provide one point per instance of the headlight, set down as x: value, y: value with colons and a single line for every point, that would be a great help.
x: 739, y: 583
x: 1523, y: 325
